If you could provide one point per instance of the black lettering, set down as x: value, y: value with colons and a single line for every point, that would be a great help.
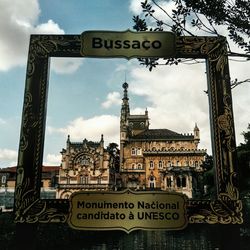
x: 80, y: 204
x: 108, y: 44
x: 175, y: 216
x: 144, y: 44
x: 156, y: 44
x: 118, y: 44
x: 140, y: 204
x: 122, y: 216
x: 161, y: 216
x: 136, y: 44
x: 168, y: 217
x: 126, y: 44
x: 97, y: 43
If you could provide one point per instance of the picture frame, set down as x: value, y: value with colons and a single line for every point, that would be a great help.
x: 226, y: 208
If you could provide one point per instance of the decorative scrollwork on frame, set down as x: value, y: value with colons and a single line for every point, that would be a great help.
x: 29, y: 208
x: 227, y: 209
x: 43, y: 45
x: 225, y: 124
x: 29, y: 121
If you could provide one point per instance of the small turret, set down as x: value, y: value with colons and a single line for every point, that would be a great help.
x: 68, y: 143
x: 196, y: 135
x: 101, y: 151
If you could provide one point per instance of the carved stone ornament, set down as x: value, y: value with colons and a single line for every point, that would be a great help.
x: 29, y: 208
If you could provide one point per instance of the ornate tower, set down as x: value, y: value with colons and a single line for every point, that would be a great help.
x: 196, y: 135
x: 124, y: 121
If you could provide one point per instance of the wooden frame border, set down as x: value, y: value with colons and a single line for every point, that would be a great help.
x: 29, y: 208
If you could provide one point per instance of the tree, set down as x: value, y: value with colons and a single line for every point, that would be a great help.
x: 209, y: 176
x: 192, y: 16
x: 114, y: 151
x: 243, y: 152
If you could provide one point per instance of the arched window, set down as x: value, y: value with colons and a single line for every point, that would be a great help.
x: 133, y: 166
x: 178, y: 182
x: 184, y: 181
x: 133, y: 151
x: 138, y: 151
x: 139, y: 166
x: 151, y: 181
x: 160, y: 164
x: 169, y: 182
x: 99, y: 180
x: 3, y: 179
x: 82, y: 179
x: 151, y: 164
x: 68, y: 180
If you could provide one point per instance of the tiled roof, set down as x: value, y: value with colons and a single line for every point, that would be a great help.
x: 44, y: 169
x: 161, y: 134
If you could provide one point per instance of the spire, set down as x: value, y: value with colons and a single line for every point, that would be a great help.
x: 196, y: 133
x: 125, y: 91
x: 125, y: 102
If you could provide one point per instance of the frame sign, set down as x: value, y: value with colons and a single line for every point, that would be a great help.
x: 127, y: 210
x: 127, y: 44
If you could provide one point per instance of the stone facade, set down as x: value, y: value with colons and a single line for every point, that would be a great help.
x: 85, y: 166
x: 158, y: 159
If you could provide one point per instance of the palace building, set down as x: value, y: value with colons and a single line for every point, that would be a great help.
x: 158, y: 159
x: 85, y: 166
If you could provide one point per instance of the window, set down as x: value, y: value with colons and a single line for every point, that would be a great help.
x: 3, y: 179
x: 184, y: 182
x: 133, y: 166
x: 178, y: 182
x: 169, y: 182
x: 177, y: 163
x: 139, y: 166
x: 160, y: 164
x: 151, y: 164
x: 81, y: 179
x: 169, y: 163
x: 151, y: 182
x: 86, y: 179
x: 68, y: 180
x: 138, y: 151
x: 133, y: 151
x: 99, y: 180
x: 196, y: 163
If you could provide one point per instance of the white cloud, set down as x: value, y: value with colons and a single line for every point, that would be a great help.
x: 8, y: 157
x: 135, y: 6
x: 2, y: 121
x: 65, y: 65
x: 19, y: 20
x: 113, y: 98
x: 175, y: 96
x: 50, y: 28
x: 91, y: 128
x: 52, y: 160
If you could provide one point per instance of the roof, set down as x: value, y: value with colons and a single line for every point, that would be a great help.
x: 44, y: 169
x: 161, y: 134
x: 85, y: 142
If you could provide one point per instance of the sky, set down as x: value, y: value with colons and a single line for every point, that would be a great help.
x: 85, y: 94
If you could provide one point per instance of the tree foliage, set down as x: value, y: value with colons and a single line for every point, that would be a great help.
x: 206, y: 16
x: 243, y: 152
x: 114, y: 151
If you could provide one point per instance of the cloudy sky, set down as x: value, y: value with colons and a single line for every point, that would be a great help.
x: 84, y: 94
